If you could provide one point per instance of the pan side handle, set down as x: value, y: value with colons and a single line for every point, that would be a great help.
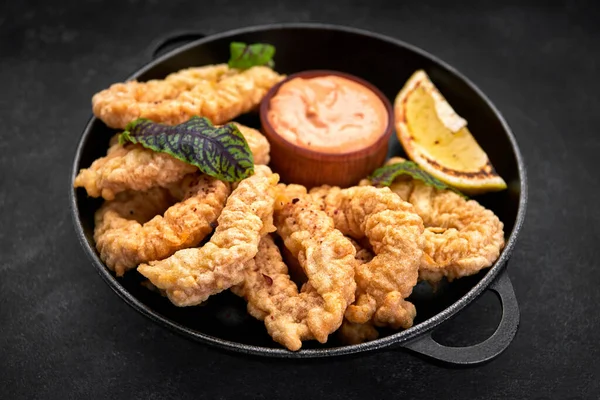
x: 171, y: 41
x: 482, y: 352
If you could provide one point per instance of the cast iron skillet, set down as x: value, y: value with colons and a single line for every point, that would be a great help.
x: 222, y: 321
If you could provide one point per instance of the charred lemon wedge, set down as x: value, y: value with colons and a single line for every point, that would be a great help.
x: 436, y: 138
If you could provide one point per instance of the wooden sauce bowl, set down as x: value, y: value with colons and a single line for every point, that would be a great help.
x: 296, y: 164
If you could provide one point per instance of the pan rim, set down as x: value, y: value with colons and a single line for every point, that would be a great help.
x: 393, y: 340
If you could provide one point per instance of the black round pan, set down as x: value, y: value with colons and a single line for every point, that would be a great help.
x: 387, y: 63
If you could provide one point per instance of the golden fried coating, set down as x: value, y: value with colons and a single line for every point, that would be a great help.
x: 349, y: 332
x: 267, y: 285
x: 190, y: 276
x: 294, y: 268
x: 288, y: 192
x: 461, y: 236
x: 297, y: 273
x: 184, y: 79
x: 327, y: 258
x: 131, y: 167
x: 131, y: 229
x: 395, y: 234
x: 258, y: 143
x: 215, y: 92
x: 136, y: 168
x: 266, y: 281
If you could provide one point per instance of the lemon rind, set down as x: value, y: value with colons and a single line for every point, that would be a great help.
x: 467, y: 183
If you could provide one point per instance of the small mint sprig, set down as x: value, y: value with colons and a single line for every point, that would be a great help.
x: 244, y: 56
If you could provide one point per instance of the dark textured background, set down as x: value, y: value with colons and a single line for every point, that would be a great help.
x: 64, y: 334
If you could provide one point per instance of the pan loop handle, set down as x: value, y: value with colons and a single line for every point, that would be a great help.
x: 488, y: 349
x: 171, y: 41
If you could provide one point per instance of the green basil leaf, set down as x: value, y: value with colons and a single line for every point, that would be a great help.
x: 244, y: 56
x: 386, y: 175
x: 221, y: 152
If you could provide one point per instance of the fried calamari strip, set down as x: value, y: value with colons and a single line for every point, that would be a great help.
x: 352, y: 333
x: 327, y: 258
x: 130, y: 167
x: 215, y: 92
x: 266, y: 281
x: 294, y: 268
x: 190, y: 276
x: 297, y: 273
x: 395, y: 234
x: 137, y: 168
x: 267, y: 287
x: 461, y: 236
x: 130, y: 229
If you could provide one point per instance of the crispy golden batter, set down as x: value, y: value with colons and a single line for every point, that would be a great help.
x: 327, y: 258
x: 294, y: 268
x: 130, y: 229
x: 351, y: 333
x: 297, y: 273
x: 287, y: 192
x: 130, y: 167
x: 266, y: 281
x: 461, y: 236
x: 190, y: 276
x: 395, y: 234
x: 137, y: 168
x: 214, y: 92
x: 258, y: 143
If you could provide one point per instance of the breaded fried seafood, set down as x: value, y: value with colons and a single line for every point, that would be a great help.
x: 133, y: 167
x: 327, y: 258
x: 290, y: 316
x: 216, y: 92
x: 350, y: 332
x: 194, y: 204
x: 190, y: 276
x: 395, y: 234
x: 132, y: 228
x: 461, y: 236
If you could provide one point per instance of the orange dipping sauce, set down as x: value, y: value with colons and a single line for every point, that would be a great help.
x: 328, y: 114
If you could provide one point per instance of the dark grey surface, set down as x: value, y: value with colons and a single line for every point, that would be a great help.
x: 64, y: 334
